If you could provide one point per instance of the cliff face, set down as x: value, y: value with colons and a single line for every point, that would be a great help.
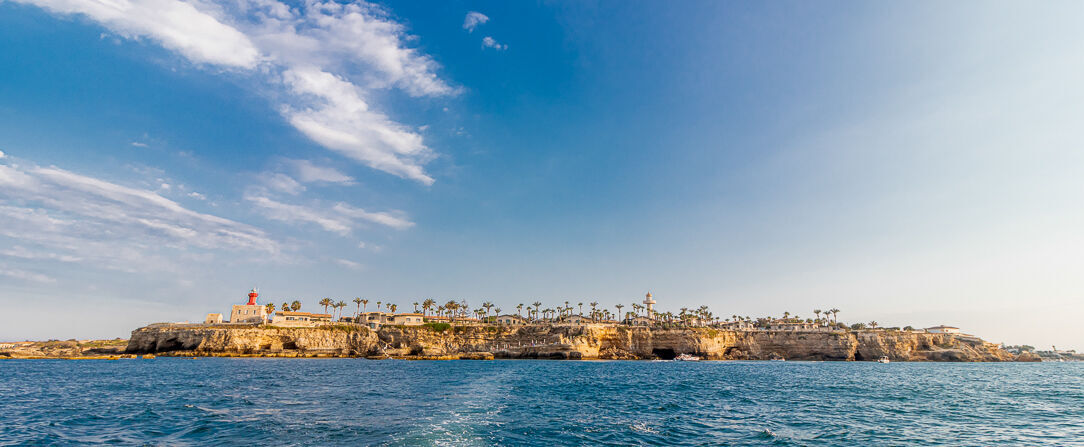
x: 561, y: 342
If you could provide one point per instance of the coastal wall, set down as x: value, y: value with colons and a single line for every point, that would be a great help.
x: 561, y: 342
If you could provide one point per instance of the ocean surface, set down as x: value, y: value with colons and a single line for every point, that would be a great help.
x: 223, y: 401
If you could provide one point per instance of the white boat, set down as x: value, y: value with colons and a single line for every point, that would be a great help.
x: 883, y: 359
x: 687, y: 358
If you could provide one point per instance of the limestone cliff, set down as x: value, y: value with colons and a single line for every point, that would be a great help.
x: 560, y: 342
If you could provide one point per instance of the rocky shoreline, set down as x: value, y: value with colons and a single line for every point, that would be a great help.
x: 565, y: 342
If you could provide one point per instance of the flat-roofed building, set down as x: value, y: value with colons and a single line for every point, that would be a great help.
x: 942, y: 329
x: 299, y: 319
x: 213, y: 319
x: 510, y: 320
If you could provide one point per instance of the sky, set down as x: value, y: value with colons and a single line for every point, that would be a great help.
x: 914, y: 163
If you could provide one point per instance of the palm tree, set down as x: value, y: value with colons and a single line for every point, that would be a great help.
x: 818, y: 313
x: 326, y: 302
x: 357, y: 300
x: 451, y: 306
x: 415, y: 307
x: 378, y: 303
x: 270, y: 308
x: 393, y: 307
x: 581, y: 308
x: 873, y: 324
x: 835, y: 315
x: 619, y: 306
x: 341, y: 305
x: 364, y: 304
x: 536, y: 305
x: 428, y: 304
x: 285, y: 306
x: 487, y: 306
x: 295, y: 306
x: 519, y: 310
x: 593, y: 313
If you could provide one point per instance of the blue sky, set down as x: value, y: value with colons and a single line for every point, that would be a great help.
x: 909, y: 164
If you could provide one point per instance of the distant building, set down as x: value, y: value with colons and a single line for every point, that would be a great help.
x: 374, y: 320
x: 791, y: 326
x: 942, y: 329
x: 299, y: 319
x: 577, y: 320
x: 640, y: 321
x: 510, y: 320
x: 737, y: 325
x: 213, y: 319
x: 249, y: 313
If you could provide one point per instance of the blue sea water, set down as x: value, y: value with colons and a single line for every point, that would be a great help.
x: 224, y: 401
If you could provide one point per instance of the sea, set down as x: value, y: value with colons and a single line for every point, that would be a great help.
x: 273, y: 401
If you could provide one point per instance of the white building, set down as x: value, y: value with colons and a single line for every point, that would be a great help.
x: 942, y: 329
x: 299, y: 319
x: 510, y: 320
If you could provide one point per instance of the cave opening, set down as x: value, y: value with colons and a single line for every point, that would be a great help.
x: 858, y: 356
x: 664, y: 353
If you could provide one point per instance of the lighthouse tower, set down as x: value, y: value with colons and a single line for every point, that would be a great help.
x: 250, y: 312
x: 650, y: 303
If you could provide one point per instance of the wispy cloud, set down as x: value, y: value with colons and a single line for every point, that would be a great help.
x: 474, y: 19
x: 319, y: 57
x: 55, y: 214
x: 25, y: 275
x: 176, y: 25
x: 350, y: 264
x: 490, y: 42
x: 138, y: 144
x: 308, y: 172
x: 339, y: 218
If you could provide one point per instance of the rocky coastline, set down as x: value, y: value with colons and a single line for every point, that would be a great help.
x: 566, y: 342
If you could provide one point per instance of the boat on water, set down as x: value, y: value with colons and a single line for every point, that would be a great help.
x: 687, y: 358
x: 777, y: 360
x: 883, y: 359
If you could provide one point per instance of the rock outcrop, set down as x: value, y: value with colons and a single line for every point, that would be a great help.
x: 560, y: 342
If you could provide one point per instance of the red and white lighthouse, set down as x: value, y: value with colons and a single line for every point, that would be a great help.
x: 252, y: 294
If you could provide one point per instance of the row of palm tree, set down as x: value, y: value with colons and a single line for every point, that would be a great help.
x: 701, y: 316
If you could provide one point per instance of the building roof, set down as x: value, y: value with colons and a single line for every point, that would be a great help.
x: 942, y: 327
x: 289, y: 313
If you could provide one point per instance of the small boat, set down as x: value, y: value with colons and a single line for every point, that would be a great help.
x: 883, y: 359
x: 687, y: 358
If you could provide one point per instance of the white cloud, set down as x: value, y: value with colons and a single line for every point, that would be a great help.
x: 54, y: 214
x: 319, y: 57
x: 297, y: 213
x: 308, y: 172
x: 350, y: 264
x: 197, y: 196
x: 176, y: 25
x: 283, y: 183
x: 338, y: 118
x: 2, y: 154
x: 25, y: 275
x: 393, y: 219
x: 340, y: 218
x: 474, y: 19
x: 138, y: 144
x: 490, y: 42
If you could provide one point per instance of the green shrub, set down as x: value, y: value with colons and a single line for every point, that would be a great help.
x: 438, y: 327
